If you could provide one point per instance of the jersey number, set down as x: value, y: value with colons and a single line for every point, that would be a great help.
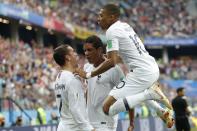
x: 59, y: 97
x: 137, y: 44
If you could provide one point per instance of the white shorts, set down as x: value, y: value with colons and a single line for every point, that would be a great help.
x: 105, y: 129
x: 133, y: 84
x: 67, y: 127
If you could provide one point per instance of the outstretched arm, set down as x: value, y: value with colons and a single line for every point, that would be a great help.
x: 113, y: 58
x: 111, y: 61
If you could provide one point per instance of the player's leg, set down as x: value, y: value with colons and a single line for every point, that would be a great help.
x: 164, y: 114
x: 131, y: 101
x: 110, y: 100
x: 122, y: 105
x: 114, y: 103
x: 152, y: 93
x: 130, y: 86
x: 132, y: 91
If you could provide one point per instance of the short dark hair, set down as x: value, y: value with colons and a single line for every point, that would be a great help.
x: 59, y: 54
x: 179, y: 89
x: 95, y: 41
x: 112, y: 9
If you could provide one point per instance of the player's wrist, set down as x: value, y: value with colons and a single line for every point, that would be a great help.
x: 88, y: 75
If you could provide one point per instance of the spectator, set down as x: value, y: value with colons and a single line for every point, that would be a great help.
x: 19, y: 121
x: 54, y: 118
x: 2, y: 120
x: 179, y: 24
x: 181, y: 110
x: 41, y: 115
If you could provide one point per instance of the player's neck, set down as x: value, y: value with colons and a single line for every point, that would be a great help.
x: 68, y: 68
x: 114, y: 21
x: 96, y: 64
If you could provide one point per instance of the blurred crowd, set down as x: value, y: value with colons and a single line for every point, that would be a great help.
x: 26, y: 74
x: 160, y: 18
x: 27, y: 70
x: 180, y: 68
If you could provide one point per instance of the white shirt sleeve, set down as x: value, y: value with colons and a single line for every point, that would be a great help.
x: 112, y: 41
x: 75, y: 103
x: 117, y: 75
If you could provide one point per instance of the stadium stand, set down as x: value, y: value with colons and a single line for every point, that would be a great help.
x: 139, y: 13
x: 27, y: 70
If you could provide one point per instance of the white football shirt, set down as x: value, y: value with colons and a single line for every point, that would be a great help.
x: 121, y: 37
x: 70, y: 99
x: 98, y: 89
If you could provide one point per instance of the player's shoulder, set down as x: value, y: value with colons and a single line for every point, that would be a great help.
x: 114, y: 70
x: 67, y: 73
x: 65, y: 76
x: 116, y: 29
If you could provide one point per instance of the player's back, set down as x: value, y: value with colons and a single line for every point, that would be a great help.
x: 66, y: 83
x: 121, y: 36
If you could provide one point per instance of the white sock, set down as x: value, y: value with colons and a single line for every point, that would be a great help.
x: 133, y: 100
x: 155, y: 106
x: 137, y: 99
x: 117, y: 107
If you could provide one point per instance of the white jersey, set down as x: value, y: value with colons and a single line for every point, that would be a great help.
x: 70, y: 99
x: 98, y: 89
x: 121, y: 37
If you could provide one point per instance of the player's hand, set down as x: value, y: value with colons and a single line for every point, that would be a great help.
x: 130, y: 128
x: 93, y: 130
x: 80, y: 72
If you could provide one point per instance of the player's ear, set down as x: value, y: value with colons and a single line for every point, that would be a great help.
x: 100, y: 50
x: 67, y: 58
x: 112, y: 17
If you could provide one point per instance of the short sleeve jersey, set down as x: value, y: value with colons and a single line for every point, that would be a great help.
x: 122, y: 38
x: 70, y: 100
x: 98, y: 89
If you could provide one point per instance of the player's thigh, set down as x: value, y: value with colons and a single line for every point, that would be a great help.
x: 141, y: 81
x: 132, y: 85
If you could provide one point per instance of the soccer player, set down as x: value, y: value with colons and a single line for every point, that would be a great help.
x: 69, y: 92
x: 140, y: 84
x: 99, y: 86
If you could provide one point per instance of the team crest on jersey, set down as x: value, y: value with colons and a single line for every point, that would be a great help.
x: 109, y: 44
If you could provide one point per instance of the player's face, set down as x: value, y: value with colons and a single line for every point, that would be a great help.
x: 103, y: 19
x: 92, y: 54
x: 73, y: 57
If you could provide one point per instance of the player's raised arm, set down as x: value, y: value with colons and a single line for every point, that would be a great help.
x: 113, y: 58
